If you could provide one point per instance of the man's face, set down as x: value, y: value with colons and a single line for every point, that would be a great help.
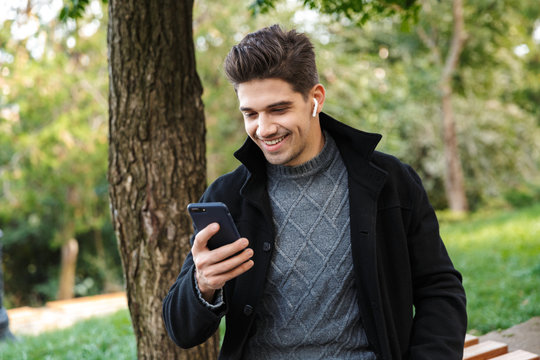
x: 280, y: 121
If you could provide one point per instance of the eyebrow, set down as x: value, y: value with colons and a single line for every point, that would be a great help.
x: 274, y: 105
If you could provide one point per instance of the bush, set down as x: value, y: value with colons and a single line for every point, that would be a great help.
x: 523, y: 195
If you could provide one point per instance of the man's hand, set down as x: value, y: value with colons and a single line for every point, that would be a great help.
x: 215, y: 267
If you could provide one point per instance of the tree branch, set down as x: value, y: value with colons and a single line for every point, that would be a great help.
x: 458, y: 40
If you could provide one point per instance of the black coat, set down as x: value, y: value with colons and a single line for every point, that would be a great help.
x: 411, y: 298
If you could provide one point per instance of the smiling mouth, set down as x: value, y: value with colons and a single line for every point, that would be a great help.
x: 275, y: 141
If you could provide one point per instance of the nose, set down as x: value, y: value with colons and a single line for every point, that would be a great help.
x: 265, y: 127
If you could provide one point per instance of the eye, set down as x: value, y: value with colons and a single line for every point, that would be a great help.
x: 278, y: 110
x: 250, y: 115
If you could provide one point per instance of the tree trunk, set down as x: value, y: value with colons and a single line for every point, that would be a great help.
x: 156, y: 158
x: 453, y: 178
x: 453, y: 181
x: 68, y: 265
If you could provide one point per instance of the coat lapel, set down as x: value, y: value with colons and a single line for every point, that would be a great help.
x: 363, y: 212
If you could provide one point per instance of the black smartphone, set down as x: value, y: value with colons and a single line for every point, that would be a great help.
x: 203, y: 214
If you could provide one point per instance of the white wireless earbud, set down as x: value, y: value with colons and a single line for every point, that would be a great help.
x: 315, y: 107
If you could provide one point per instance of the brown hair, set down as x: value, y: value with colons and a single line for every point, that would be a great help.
x: 273, y: 53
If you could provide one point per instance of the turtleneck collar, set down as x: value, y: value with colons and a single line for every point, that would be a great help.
x: 311, y: 167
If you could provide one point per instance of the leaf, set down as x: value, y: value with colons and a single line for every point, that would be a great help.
x: 74, y: 9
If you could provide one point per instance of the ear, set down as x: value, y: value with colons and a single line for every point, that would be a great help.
x: 317, y: 93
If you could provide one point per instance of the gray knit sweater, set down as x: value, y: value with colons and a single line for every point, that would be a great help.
x: 309, y: 309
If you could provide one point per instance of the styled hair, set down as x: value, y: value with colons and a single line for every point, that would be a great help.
x: 273, y: 53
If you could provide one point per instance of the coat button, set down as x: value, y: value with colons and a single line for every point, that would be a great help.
x: 248, y: 310
x: 267, y: 246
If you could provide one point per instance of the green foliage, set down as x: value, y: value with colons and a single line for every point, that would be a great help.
x: 357, y: 11
x: 53, y: 138
x: 498, y: 147
x: 523, y: 195
x: 74, y: 9
x: 100, y: 338
x: 498, y: 255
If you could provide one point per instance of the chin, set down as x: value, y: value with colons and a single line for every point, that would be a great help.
x: 276, y: 160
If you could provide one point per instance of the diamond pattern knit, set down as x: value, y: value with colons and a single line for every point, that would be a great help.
x: 309, y: 309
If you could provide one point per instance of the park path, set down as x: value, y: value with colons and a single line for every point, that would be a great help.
x: 63, y: 313
x: 524, y: 336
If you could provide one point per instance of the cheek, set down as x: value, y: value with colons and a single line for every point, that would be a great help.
x: 250, y: 127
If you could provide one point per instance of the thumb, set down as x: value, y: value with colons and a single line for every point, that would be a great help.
x: 202, y: 237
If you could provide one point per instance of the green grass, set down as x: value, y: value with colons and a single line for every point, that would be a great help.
x: 103, y: 338
x: 497, y: 253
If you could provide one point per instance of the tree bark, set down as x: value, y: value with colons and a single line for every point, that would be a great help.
x: 156, y: 158
x: 453, y: 181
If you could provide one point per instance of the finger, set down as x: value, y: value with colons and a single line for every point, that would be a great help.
x: 230, y: 264
x: 212, y: 273
x: 210, y: 280
x: 219, y: 281
x: 202, y: 237
x: 226, y: 251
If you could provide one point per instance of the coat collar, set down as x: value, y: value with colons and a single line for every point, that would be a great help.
x: 361, y: 143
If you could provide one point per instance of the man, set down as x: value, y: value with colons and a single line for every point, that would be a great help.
x: 341, y: 256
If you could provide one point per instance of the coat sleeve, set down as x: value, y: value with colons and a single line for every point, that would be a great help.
x: 440, y: 319
x: 188, y: 321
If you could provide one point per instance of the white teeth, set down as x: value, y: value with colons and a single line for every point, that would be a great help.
x: 274, y: 142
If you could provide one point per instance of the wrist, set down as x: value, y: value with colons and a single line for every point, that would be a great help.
x: 206, y: 293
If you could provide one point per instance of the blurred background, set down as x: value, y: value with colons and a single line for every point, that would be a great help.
x: 382, y: 77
